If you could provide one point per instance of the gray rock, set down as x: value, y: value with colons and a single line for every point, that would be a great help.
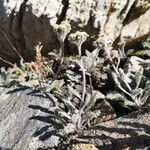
x: 26, y: 22
x: 25, y: 120
x: 27, y: 124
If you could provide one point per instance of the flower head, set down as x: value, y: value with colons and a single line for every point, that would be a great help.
x: 78, y: 38
x: 62, y: 30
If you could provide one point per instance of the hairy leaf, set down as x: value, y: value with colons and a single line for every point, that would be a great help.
x: 115, y: 96
x: 138, y: 77
x: 74, y: 92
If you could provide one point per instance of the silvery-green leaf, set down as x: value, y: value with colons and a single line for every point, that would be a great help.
x: 147, y: 84
x: 75, y: 118
x: 49, y: 69
x: 60, y: 112
x: 52, y: 54
x: 70, y: 72
x: 95, y: 53
x: 89, y: 101
x: 3, y: 69
x: 64, y: 114
x: 28, y: 84
x: 73, y: 76
x: 87, y: 53
x: 147, y: 91
x: 137, y: 92
x: 115, y: 78
x: 83, y: 64
x: 138, y: 77
x: 57, y: 84
x: 67, y: 102
x: 98, y: 95
x: 74, y: 92
x: 128, y: 103
x: 124, y: 76
x: 53, y: 109
x: 122, y: 53
x: 115, y: 96
x: 89, y: 116
x: 22, y: 64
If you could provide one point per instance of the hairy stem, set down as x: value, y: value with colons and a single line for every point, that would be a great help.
x: 84, y: 85
x: 7, y: 62
x: 79, y: 50
x: 61, y: 52
x: 13, y: 47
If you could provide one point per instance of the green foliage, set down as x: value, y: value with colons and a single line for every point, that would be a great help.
x: 77, y: 115
x: 68, y: 81
x: 132, y: 83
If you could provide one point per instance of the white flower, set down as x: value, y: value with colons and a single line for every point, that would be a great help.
x: 78, y: 38
x: 62, y: 30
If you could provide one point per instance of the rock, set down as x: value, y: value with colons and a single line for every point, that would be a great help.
x: 131, y: 131
x: 24, y: 120
x: 137, y: 23
x: 26, y: 22
x: 26, y: 123
x: 81, y: 146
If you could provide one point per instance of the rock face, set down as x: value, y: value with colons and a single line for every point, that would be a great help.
x: 26, y: 123
x: 18, y: 127
x: 131, y: 131
x: 26, y: 22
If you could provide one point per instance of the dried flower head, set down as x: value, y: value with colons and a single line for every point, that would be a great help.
x: 78, y: 38
x: 62, y: 30
x: 40, y: 67
x: 104, y: 42
x: 99, y: 43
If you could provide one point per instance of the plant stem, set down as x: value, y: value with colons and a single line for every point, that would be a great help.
x: 7, y: 62
x: 79, y: 123
x: 79, y: 50
x: 13, y: 47
x: 61, y: 52
x: 84, y: 84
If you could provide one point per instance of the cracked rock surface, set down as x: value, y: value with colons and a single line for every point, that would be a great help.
x: 27, y: 124
x: 23, y: 117
x: 26, y: 22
